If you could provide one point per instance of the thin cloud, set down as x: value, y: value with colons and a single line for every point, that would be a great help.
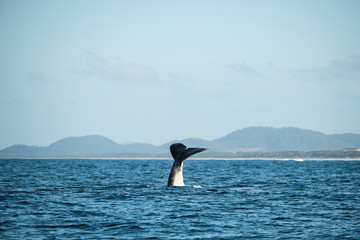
x: 245, y: 70
x: 36, y: 79
x: 337, y: 70
x: 122, y: 70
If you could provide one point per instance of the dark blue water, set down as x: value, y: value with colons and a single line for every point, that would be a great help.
x: 128, y: 199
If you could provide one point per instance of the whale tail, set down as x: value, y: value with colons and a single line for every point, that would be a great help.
x: 180, y: 152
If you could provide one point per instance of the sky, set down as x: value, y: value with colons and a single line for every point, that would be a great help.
x: 157, y: 71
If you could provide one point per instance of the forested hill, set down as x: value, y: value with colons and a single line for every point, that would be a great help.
x: 252, y: 139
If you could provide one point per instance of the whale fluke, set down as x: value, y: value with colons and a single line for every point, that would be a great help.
x: 180, y: 152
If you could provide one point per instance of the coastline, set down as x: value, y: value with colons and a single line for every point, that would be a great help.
x: 195, y: 158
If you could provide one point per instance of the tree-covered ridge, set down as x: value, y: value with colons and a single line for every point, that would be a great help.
x: 247, y: 142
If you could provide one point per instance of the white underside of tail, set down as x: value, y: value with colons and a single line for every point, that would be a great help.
x: 176, y: 178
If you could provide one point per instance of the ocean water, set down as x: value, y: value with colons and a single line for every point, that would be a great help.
x: 129, y: 199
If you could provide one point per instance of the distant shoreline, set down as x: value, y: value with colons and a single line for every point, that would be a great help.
x: 165, y: 158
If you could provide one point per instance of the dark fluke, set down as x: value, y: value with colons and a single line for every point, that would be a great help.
x: 180, y: 152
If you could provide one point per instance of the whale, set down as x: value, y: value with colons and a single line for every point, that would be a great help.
x: 179, y: 153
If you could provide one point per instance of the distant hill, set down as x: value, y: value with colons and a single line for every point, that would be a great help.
x: 252, y: 139
x: 87, y: 145
x: 266, y: 139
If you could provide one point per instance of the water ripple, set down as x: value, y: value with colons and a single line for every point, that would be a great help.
x: 99, y: 199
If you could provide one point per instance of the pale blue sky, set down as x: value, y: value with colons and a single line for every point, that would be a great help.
x: 156, y: 71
